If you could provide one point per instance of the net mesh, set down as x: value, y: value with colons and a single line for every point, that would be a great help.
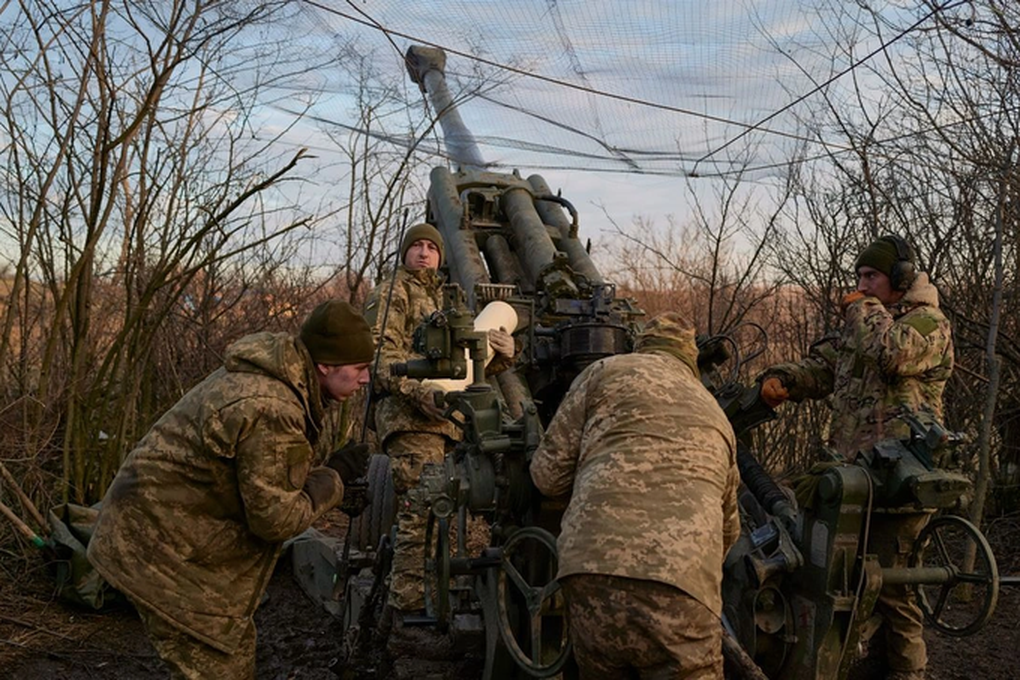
x: 640, y: 86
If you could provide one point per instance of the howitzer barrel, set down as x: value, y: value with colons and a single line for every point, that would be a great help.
x: 504, y: 265
x: 426, y: 66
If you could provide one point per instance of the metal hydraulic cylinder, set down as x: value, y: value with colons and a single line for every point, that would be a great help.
x: 552, y: 214
x: 539, y: 256
x: 462, y: 255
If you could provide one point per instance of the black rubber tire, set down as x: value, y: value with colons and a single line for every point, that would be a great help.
x: 378, y: 517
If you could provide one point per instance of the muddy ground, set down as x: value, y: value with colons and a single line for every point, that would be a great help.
x: 44, y: 638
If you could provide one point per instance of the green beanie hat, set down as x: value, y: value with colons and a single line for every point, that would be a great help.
x: 335, y: 335
x: 670, y: 333
x: 880, y: 255
x: 419, y: 232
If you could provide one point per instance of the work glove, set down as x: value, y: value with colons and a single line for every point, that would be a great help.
x: 851, y: 298
x: 350, y: 460
x: 711, y: 352
x: 502, y: 342
x: 427, y: 402
x: 322, y: 489
x: 773, y: 391
x: 806, y: 487
x: 355, y: 498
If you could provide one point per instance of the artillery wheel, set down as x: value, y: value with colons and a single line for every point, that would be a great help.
x: 541, y: 601
x: 437, y: 571
x: 962, y: 605
x: 375, y: 522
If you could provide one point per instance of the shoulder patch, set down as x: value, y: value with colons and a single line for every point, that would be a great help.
x: 922, y: 324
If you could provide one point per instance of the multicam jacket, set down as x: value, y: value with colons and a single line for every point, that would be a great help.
x: 650, y: 459
x: 192, y: 524
x: 416, y: 295
x: 886, y: 363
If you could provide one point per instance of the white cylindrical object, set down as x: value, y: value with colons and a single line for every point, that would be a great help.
x: 497, y: 314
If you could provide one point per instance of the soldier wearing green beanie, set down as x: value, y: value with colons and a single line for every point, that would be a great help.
x: 335, y: 334
x: 892, y: 359
x: 409, y: 424
x: 892, y: 256
x: 193, y: 523
x: 423, y: 232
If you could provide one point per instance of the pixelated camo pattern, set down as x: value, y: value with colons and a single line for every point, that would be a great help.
x: 416, y: 295
x: 649, y: 458
x: 193, y: 522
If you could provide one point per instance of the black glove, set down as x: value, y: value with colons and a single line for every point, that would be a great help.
x: 322, y: 489
x: 350, y: 460
x: 712, y: 351
x: 355, y: 498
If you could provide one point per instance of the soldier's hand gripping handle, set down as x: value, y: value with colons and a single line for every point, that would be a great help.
x: 428, y: 402
x: 773, y: 391
x: 350, y: 460
x: 502, y: 342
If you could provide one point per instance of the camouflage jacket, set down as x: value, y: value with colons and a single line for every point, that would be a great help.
x: 193, y: 522
x: 887, y: 362
x: 416, y: 295
x: 650, y: 459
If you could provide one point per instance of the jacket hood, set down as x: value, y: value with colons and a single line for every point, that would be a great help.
x: 922, y: 292
x: 280, y: 356
x: 669, y: 333
x: 428, y: 277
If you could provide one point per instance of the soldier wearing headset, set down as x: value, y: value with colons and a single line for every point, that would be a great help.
x: 892, y: 358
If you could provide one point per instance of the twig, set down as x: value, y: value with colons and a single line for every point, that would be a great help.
x: 26, y: 502
x: 84, y: 643
x: 28, y: 624
x: 21, y: 526
x: 44, y: 651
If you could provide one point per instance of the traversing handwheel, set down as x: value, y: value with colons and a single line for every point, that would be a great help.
x: 961, y: 605
x: 531, y: 608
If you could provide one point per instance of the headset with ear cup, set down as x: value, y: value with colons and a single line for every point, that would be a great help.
x: 904, y: 272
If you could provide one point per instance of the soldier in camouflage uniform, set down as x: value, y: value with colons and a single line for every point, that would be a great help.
x: 892, y: 358
x: 650, y: 459
x: 410, y: 427
x: 192, y: 525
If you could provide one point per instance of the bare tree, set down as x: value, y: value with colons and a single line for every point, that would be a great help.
x: 922, y: 133
x: 136, y: 192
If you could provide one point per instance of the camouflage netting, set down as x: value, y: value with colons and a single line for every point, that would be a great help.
x: 643, y: 86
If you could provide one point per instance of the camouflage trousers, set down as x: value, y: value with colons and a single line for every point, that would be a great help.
x: 408, y: 453
x: 892, y: 539
x: 191, y: 659
x: 631, y: 628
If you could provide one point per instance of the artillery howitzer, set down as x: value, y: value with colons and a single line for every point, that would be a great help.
x: 800, y: 584
x: 507, y: 239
